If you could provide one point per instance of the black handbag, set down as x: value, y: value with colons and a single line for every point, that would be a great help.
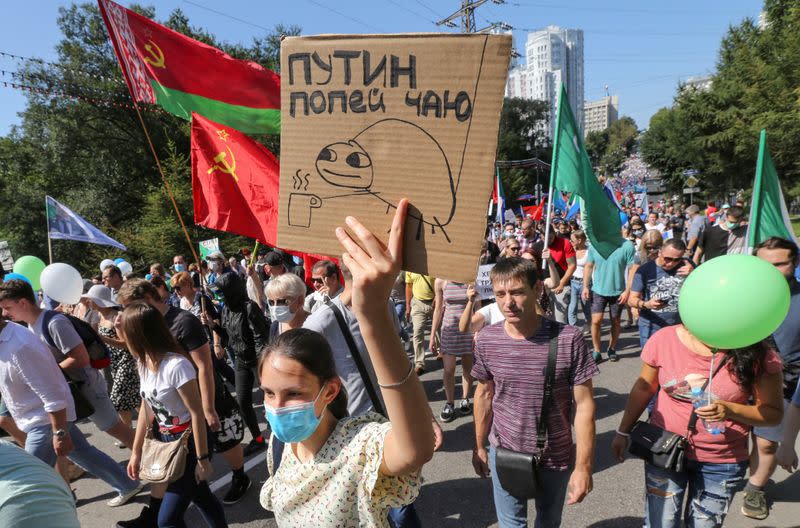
x: 518, y: 472
x: 83, y: 407
x: 661, y: 448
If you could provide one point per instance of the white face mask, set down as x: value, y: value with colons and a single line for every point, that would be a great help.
x: 281, y: 314
x: 212, y: 265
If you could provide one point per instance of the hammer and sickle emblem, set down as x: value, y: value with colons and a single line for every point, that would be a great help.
x: 156, y: 56
x: 221, y: 164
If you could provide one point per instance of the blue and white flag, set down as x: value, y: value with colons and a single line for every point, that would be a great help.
x: 65, y: 224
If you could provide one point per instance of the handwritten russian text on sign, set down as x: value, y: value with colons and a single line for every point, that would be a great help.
x: 483, y: 284
x: 368, y: 120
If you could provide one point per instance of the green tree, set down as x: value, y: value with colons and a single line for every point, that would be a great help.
x: 522, y: 136
x: 755, y: 86
x: 608, y: 149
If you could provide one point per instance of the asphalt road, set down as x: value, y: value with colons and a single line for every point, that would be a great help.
x: 452, y: 495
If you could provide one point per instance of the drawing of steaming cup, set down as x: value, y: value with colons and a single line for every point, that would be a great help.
x: 300, y: 206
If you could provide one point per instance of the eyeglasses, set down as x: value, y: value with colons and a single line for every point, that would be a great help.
x: 671, y: 259
x: 316, y: 280
x: 279, y: 302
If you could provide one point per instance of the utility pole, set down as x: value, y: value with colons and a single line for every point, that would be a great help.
x: 467, y: 15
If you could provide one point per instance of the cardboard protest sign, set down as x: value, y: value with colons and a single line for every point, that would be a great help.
x: 483, y: 284
x: 368, y: 120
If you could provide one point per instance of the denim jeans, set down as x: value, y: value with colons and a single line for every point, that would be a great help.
x: 400, y: 310
x: 39, y: 443
x: 576, y: 287
x: 187, y: 490
x: 646, y: 329
x: 513, y: 512
x: 711, y: 488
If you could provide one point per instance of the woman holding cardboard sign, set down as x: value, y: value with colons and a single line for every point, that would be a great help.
x: 337, y: 470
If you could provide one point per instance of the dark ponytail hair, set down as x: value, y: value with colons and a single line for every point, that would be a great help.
x: 746, y: 364
x: 311, y: 350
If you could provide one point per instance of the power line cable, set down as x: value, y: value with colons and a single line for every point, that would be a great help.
x: 343, y: 15
x: 415, y: 13
x: 226, y: 15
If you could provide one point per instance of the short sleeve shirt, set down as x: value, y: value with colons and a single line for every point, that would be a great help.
x: 491, y: 314
x: 65, y: 338
x: 560, y: 250
x: 787, y: 336
x: 342, y: 485
x: 186, y: 328
x: 160, y: 389
x: 654, y: 282
x: 714, y: 242
x: 421, y: 286
x: 679, y: 370
x: 31, y: 493
x: 517, y: 366
x: 608, y: 276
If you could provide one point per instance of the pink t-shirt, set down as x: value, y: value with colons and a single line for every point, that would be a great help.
x: 680, y: 369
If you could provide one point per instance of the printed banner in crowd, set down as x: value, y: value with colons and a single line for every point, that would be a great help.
x: 183, y: 75
x: 207, y: 247
x: 65, y: 224
x: 483, y: 284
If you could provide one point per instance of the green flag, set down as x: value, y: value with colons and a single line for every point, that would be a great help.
x: 768, y: 214
x: 571, y: 171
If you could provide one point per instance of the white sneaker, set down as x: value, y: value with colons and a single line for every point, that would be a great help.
x: 121, y: 499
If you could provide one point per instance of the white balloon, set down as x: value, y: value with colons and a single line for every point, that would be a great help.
x: 125, y: 267
x: 62, y: 283
x: 106, y: 263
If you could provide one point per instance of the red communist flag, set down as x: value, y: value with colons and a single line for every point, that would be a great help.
x: 183, y: 75
x: 234, y: 182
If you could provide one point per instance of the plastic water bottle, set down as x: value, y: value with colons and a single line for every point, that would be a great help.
x: 701, y: 399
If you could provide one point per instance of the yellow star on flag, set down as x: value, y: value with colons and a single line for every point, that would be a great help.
x: 223, y: 134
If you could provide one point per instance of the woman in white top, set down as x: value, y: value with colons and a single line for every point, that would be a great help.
x: 578, y: 239
x: 339, y: 471
x: 171, y: 404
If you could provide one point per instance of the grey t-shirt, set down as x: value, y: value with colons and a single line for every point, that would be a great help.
x: 324, y: 322
x: 65, y: 338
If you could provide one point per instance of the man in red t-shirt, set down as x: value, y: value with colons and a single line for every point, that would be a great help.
x: 561, y: 264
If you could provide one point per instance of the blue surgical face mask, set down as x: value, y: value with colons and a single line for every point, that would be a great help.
x: 179, y: 268
x: 732, y: 225
x: 294, y: 423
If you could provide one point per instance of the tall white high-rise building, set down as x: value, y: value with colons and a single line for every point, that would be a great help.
x: 553, y: 55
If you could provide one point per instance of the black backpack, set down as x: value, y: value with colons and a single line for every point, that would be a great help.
x: 99, y: 355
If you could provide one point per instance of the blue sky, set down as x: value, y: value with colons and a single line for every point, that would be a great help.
x: 640, y: 49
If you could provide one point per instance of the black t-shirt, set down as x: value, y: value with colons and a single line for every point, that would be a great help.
x: 187, y: 329
x: 714, y: 241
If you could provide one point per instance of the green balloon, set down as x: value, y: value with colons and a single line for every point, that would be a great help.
x: 734, y: 301
x: 31, y: 268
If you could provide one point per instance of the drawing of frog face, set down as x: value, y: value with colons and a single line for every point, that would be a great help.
x: 345, y: 165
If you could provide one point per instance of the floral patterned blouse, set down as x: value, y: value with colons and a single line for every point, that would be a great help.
x: 342, y: 486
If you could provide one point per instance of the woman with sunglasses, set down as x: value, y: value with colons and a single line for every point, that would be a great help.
x: 511, y: 249
x: 337, y: 470
x: 285, y: 296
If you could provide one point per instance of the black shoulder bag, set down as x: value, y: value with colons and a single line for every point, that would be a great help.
x: 661, y: 448
x: 362, y: 369
x: 519, y: 472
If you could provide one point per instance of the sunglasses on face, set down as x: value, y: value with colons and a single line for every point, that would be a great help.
x: 652, y: 248
x: 670, y: 259
x: 316, y: 280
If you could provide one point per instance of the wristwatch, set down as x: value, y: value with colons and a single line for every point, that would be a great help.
x: 60, y: 433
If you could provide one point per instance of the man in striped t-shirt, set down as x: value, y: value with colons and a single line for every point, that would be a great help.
x: 510, y: 364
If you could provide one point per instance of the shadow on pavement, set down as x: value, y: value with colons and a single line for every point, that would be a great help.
x: 619, y: 522
x: 788, y: 490
x: 608, y: 403
x: 465, y: 502
x: 462, y: 438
